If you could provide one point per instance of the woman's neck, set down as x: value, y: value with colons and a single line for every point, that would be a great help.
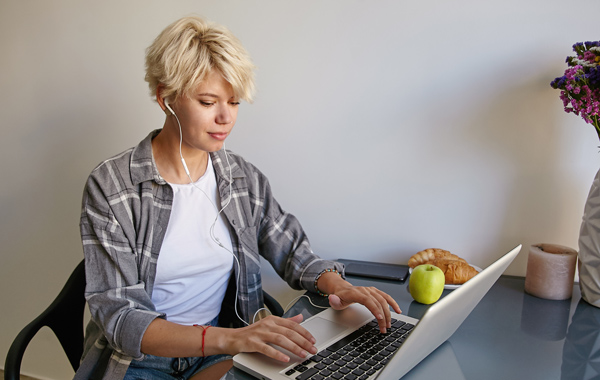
x: 165, y: 149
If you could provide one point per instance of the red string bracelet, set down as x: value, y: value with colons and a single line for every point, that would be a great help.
x: 204, y: 328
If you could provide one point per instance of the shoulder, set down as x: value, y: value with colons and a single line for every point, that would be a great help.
x: 129, y: 167
x: 116, y: 161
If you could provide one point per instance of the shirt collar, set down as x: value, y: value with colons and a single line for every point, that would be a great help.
x: 143, y: 167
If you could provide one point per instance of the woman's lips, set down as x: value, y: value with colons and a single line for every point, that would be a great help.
x: 218, y: 135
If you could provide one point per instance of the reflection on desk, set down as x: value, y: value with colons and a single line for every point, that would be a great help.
x: 440, y: 364
x: 581, y: 352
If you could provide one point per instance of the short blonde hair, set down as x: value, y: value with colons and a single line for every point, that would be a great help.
x: 187, y: 50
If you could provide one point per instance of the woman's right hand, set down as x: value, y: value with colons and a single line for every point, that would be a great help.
x: 286, y: 333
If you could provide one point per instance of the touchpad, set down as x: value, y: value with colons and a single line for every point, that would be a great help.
x: 322, y: 329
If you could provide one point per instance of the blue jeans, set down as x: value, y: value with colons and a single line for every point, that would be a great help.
x: 159, y: 368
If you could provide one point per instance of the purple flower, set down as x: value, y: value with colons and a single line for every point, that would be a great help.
x: 580, y: 84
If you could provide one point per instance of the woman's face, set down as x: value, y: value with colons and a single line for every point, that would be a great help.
x: 208, y: 115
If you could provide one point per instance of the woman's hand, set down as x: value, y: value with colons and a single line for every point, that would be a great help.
x: 342, y: 294
x: 282, y: 332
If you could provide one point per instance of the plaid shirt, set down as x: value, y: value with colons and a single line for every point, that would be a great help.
x: 125, y: 211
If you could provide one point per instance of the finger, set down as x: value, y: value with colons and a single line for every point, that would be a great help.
x: 386, y: 322
x: 296, y: 318
x: 272, y: 352
x: 299, y: 328
x: 391, y: 301
x: 374, y: 299
x: 291, y: 341
x: 375, y: 303
x: 336, y: 302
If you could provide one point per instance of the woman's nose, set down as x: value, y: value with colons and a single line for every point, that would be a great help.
x: 224, y: 116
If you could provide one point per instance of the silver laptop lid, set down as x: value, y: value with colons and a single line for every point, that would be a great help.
x: 443, y: 318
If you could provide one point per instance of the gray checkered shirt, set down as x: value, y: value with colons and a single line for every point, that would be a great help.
x: 125, y: 212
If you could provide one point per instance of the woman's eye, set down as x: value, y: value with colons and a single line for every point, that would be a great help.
x: 235, y: 104
x: 206, y: 104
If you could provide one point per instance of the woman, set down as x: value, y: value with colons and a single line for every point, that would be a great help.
x: 173, y: 230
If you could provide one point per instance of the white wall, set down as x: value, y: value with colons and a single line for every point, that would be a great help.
x: 387, y: 127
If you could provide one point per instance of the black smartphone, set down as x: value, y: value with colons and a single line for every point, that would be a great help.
x: 395, y: 272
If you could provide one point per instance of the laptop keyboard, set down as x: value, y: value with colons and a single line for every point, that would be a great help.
x: 358, y: 356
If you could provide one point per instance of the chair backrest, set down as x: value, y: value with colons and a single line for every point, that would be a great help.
x: 64, y: 316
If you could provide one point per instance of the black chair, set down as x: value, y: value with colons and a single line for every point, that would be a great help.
x: 65, y: 317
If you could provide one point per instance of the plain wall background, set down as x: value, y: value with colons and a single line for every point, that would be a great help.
x: 386, y: 127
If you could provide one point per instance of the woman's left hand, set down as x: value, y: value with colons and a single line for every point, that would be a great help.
x: 342, y: 294
x: 377, y: 301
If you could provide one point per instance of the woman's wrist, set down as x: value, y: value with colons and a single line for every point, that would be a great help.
x: 330, y: 282
x: 217, y: 340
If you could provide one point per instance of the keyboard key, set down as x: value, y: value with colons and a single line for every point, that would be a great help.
x: 307, y: 374
x: 325, y: 372
x: 358, y: 372
x: 344, y: 341
x: 344, y: 370
x: 290, y: 372
x: 358, y: 361
x: 325, y: 353
x: 316, y: 358
x: 365, y: 367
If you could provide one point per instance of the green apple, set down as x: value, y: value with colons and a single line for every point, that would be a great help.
x: 426, y: 283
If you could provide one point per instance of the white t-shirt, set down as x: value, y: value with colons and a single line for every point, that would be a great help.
x: 193, y: 270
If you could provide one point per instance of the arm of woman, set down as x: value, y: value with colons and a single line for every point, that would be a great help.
x: 164, y: 338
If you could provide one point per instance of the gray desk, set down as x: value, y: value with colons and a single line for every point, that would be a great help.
x: 509, y: 335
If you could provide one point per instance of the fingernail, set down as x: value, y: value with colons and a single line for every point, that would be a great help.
x: 313, y: 350
x: 313, y: 340
x: 379, y: 316
x: 303, y: 354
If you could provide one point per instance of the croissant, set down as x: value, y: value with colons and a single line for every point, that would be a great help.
x: 457, y: 274
x: 456, y: 270
x: 430, y: 254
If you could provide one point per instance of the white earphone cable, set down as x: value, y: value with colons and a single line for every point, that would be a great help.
x: 212, y: 227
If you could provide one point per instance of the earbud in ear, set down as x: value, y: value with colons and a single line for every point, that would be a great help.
x: 169, y: 111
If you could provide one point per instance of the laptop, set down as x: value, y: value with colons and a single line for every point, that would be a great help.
x: 349, y: 340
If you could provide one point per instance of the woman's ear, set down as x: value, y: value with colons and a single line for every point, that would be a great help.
x: 162, y: 102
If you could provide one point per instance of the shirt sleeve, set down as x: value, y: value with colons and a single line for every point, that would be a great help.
x: 117, y: 298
